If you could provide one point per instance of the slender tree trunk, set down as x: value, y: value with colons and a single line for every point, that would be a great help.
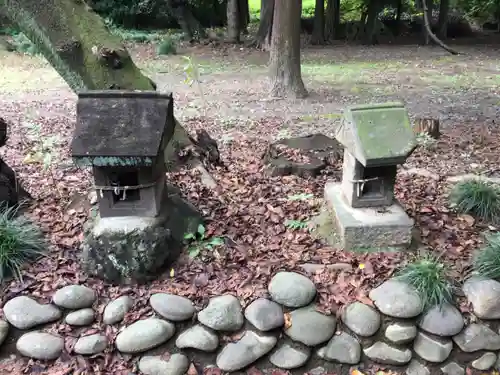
x: 318, y: 36
x: 399, y: 10
x: 264, y: 33
x: 439, y: 42
x: 444, y: 7
x: 427, y: 12
x: 330, y: 20
x: 244, y: 13
x: 285, y: 71
x: 371, y: 18
x: 336, y: 19
x: 233, y: 21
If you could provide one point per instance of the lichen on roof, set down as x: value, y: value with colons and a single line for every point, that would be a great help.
x: 378, y: 134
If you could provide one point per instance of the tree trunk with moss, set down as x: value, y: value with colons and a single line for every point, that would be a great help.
x: 286, y: 77
x: 76, y: 42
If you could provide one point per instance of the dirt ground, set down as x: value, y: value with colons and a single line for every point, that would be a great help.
x: 235, y: 107
x: 234, y: 81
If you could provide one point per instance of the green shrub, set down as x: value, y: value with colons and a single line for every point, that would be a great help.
x: 307, y: 9
x: 135, y: 36
x: 147, y: 14
x: 21, y: 241
x: 486, y: 261
x: 428, y: 276
x: 478, y: 198
x: 167, y: 47
x: 9, y: 30
x: 22, y: 44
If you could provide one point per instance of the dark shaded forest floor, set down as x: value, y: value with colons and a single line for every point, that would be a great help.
x: 235, y: 107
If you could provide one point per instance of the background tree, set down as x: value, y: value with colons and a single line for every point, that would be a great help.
x: 332, y: 19
x: 233, y: 21
x: 188, y: 22
x: 263, y: 36
x: 318, y: 36
x: 285, y: 69
x: 444, y: 8
x: 369, y: 34
x: 244, y: 13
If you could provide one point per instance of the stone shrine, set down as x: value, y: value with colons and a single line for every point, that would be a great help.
x: 140, y: 223
x: 377, y: 138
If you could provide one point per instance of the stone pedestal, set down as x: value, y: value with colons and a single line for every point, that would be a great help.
x: 375, y: 228
x: 130, y: 249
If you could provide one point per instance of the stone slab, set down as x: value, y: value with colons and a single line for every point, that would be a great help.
x: 370, y: 228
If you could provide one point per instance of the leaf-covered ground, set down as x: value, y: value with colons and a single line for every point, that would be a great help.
x: 250, y: 210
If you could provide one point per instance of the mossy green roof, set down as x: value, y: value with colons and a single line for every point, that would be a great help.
x: 377, y: 134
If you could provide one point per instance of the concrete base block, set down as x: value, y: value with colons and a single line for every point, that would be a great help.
x: 368, y: 228
x: 134, y: 249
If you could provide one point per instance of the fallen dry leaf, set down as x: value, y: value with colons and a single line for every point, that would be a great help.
x: 288, y: 320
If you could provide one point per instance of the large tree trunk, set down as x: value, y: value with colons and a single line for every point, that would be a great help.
x: 318, y: 36
x: 444, y: 7
x: 80, y: 47
x: 263, y: 37
x: 244, y: 13
x: 186, y: 19
x: 233, y: 21
x: 77, y: 44
x: 285, y: 71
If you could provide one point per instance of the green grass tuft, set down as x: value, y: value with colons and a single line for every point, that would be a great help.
x: 478, y: 198
x: 167, y: 47
x: 22, y: 44
x: 486, y: 261
x: 428, y: 276
x: 21, y: 241
x: 135, y: 36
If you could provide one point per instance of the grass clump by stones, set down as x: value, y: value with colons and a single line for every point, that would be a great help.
x: 20, y: 43
x: 486, y: 262
x: 21, y: 241
x: 477, y: 198
x: 428, y: 276
x: 167, y: 47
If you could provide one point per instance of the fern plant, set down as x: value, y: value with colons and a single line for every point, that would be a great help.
x: 198, y: 242
x: 296, y: 224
